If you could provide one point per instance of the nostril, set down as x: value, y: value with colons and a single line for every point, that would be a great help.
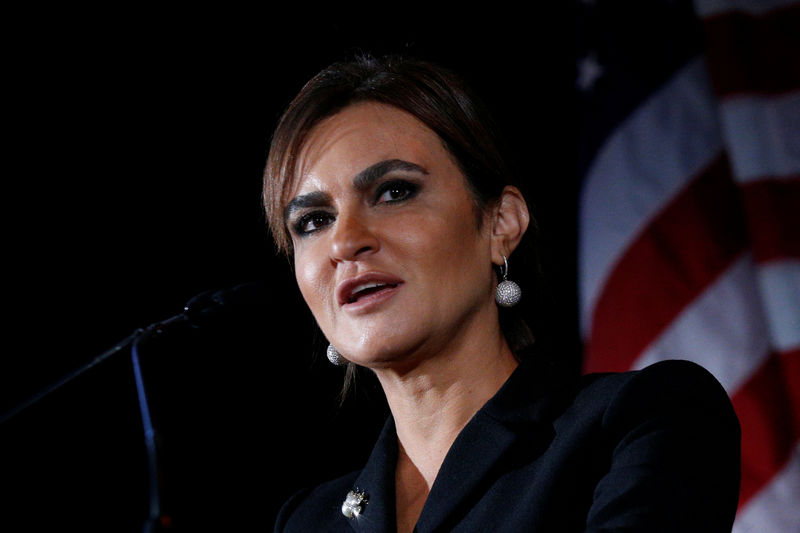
x: 351, y: 241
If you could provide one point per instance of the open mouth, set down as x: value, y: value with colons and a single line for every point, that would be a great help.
x: 360, y: 292
x: 368, y: 289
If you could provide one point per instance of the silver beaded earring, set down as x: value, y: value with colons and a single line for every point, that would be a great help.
x: 508, y: 293
x: 334, y: 356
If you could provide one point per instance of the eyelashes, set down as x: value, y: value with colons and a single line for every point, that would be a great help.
x: 390, y: 192
x: 394, y: 191
x: 311, y: 222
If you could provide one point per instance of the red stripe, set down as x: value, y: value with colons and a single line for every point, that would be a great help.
x: 790, y: 362
x: 754, y: 53
x: 772, y: 207
x: 769, y: 413
x: 694, y: 239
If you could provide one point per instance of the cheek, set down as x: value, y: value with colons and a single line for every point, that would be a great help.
x: 310, y: 276
x: 448, y: 253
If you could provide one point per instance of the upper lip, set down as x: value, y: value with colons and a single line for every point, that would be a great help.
x: 348, y: 287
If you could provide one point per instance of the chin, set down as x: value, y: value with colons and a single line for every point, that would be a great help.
x: 379, y: 339
x: 381, y: 353
x: 378, y: 358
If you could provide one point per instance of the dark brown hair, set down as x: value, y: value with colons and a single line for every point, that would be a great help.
x: 432, y: 94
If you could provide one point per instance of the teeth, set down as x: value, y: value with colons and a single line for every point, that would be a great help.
x: 355, y: 293
x: 366, y: 286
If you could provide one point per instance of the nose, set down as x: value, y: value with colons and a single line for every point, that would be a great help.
x: 352, y: 238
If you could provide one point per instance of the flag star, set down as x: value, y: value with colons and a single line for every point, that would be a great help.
x: 589, y: 70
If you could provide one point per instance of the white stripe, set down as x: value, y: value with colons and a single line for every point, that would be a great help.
x: 724, y: 330
x: 762, y: 135
x: 644, y: 163
x: 775, y: 509
x: 706, y: 8
x: 779, y: 282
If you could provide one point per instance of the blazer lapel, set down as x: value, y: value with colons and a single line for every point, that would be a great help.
x: 513, y: 417
x: 479, y: 446
x: 377, y: 481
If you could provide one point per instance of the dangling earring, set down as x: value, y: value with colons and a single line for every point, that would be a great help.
x: 508, y: 293
x: 334, y: 356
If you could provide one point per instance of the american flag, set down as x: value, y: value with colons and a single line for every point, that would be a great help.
x: 689, y: 244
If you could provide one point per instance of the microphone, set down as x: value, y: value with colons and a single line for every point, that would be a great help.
x: 210, y: 306
x: 200, y: 311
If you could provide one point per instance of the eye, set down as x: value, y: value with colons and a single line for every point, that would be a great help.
x: 311, y: 222
x: 395, y: 191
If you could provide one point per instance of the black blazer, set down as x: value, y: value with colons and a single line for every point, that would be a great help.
x: 653, y: 450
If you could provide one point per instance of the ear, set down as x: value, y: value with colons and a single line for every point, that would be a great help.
x: 511, y: 219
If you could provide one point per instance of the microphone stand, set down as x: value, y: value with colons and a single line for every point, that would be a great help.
x: 157, y: 327
x: 197, y: 312
x: 134, y: 340
x: 154, y: 500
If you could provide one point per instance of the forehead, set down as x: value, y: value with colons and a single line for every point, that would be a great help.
x: 342, y: 145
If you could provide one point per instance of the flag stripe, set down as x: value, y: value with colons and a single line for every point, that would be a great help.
x: 724, y: 329
x: 692, y: 241
x: 790, y: 361
x: 762, y: 136
x: 766, y: 415
x: 779, y: 284
x: 754, y: 53
x: 773, y: 218
x: 671, y: 137
x: 774, y: 509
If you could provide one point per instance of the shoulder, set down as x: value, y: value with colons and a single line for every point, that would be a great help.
x: 664, y: 389
x: 673, y: 442
x: 313, y: 509
x: 609, y: 403
x: 679, y: 402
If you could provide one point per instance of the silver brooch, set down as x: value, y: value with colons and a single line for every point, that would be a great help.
x: 354, y: 503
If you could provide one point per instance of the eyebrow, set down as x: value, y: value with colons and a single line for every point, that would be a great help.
x: 372, y: 173
x: 312, y: 199
x: 361, y: 182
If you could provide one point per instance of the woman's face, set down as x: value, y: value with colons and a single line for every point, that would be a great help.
x: 387, y: 250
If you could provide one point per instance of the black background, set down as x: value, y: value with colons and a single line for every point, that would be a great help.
x: 138, y: 138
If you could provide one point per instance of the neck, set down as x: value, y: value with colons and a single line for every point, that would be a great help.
x: 433, y: 401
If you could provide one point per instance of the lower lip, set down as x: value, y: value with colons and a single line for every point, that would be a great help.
x: 370, y: 301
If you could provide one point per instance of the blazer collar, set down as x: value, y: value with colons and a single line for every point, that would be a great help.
x: 513, y: 414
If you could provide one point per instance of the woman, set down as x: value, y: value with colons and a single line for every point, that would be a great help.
x: 386, y: 188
